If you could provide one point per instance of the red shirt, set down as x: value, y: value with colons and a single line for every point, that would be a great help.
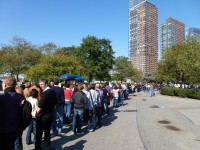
x: 67, y: 94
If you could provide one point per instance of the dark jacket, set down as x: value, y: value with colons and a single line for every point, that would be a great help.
x: 9, y: 111
x: 47, y: 102
x: 60, y: 95
x: 79, y: 99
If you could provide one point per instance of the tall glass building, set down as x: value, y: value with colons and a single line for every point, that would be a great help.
x: 193, y: 32
x: 143, y: 35
x: 133, y: 3
x: 172, y: 32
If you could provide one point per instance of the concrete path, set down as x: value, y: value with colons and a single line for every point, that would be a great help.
x: 119, y: 131
x: 143, y: 123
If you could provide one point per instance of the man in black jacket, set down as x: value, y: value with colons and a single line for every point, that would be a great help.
x: 9, y: 114
x: 59, y: 109
x: 44, y: 114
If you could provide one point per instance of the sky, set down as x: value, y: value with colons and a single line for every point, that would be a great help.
x: 67, y: 22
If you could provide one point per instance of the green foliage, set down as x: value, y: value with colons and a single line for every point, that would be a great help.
x: 181, y: 63
x: 18, y: 57
x: 167, y: 91
x: 180, y: 92
x: 67, y: 51
x: 92, y: 59
x: 97, y: 56
x: 53, y: 65
x: 48, y: 48
x: 123, y: 69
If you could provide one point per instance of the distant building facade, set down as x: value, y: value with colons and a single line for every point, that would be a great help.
x: 193, y: 32
x: 172, y: 32
x: 143, y: 35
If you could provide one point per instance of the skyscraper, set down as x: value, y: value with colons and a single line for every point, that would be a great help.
x: 133, y: 3
x: 143, y: 35
x: 193, y: 32
x: 172, y: 32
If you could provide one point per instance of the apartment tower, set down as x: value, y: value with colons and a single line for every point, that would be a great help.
x: 172, y: 32
x: 143, y: 35
x: 193, y: 32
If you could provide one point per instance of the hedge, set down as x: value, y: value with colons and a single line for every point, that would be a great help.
x: 180, y: 92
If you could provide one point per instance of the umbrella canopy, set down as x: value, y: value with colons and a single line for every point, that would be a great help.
x: 67, y: 77
x: 79, y: 78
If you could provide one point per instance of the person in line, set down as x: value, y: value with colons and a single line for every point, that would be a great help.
x: 36, y: 86
x: 99, y: 104
x: 18, y: 141
x: 44, y: 114
x: 93, y: 96
x: 59, y: 109
x: 9, y: 113
x: 106, y: 99
x: 115, y: 92
x: 26, y: 91
x: 32, y: 126
x: 79, y: 99
x: 67, y: 108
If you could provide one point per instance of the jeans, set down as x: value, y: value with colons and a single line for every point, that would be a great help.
x: 67, y: 110
x: 58, y: 112
x: 121, y: 98
x: 107, y: 108
x: 18, y: 141
x: 77, y: 120
x: 115, y: 101
x: 32, y: 126
x: 92, y: 120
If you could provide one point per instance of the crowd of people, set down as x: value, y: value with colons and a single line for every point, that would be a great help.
x: 52, y: 108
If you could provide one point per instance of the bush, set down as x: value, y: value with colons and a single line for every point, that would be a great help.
x: 189, y: 93
x: 167, y: 91
x: 180, y: 92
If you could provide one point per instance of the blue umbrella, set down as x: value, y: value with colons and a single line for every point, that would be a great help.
x: 67, y: 77
x: 79, y: 78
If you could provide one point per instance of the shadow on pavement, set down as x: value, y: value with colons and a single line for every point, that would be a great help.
x: 108, y: 119
x: 62, y: 140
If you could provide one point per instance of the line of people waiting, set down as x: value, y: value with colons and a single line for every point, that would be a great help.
x: 53, y: 107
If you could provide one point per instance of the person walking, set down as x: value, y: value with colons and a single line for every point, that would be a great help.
x: 152, y: 90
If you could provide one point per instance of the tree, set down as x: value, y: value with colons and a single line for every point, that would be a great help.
x: 53, y: 65
x: 123, y: 68
x: 48, y: 48
x: 181, y: 63
x: 97, y: 56
x: 18, y: 57
x: 67, y: 51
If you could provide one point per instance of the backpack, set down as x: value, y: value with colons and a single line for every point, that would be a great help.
x: 25, y: 109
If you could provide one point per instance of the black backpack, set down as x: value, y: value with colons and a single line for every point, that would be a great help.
x: 26, y: 109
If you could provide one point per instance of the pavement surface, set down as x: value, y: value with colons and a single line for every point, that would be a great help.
x: 143, y: 123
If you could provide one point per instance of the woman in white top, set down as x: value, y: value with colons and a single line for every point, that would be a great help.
x: 32, y: 126
x: 115, y: 92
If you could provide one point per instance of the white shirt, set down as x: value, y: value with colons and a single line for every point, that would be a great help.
x: 34, y: 103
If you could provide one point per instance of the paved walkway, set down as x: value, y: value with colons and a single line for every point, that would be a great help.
x: 119, y: 131
x: 143, y: 123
